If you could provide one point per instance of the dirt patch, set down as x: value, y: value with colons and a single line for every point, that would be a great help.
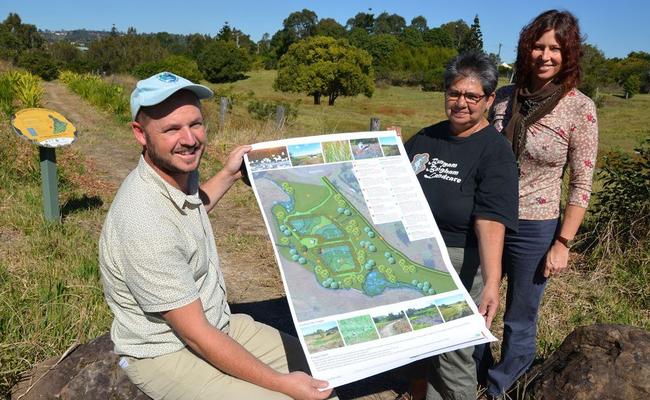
x: 107, y: 144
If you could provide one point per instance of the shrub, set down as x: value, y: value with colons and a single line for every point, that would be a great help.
x: 434, y: 80
x: 28, y: 90
x: 109, y: 97
x: 631, y: 86
x: 19, y: 90
x: 619, y: 226
x: 39, y: 63
x: 223, y: 62
x: 7, y: 95
x: 179, y: 65
x: 623, y: 203
x: 262, y: 110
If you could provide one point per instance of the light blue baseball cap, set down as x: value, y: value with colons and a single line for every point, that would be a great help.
x: 157, y: 88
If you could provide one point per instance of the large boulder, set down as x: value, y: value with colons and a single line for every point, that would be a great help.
x: 88, y: 372
x: 596, y: 362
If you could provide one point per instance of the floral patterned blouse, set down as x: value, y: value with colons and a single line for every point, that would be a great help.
x: 568, y: 135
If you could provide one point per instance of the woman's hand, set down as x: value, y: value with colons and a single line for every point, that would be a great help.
x: 489, y: 303
x: 557, y: 259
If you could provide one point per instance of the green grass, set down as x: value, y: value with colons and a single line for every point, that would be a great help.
x: 50, y: 294
x: 409, y: 108
x: 622, y: 123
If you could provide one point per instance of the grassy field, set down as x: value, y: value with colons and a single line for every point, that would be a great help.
x: 622, y: 123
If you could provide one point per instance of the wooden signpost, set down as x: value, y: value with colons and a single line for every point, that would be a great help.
x: 48, y: 130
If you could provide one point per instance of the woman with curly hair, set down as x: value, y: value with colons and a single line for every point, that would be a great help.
x: 551, y: 126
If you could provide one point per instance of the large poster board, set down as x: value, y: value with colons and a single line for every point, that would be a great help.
x: 367, y: 276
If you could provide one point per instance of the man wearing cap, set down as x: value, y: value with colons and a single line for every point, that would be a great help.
x: 160, y: 268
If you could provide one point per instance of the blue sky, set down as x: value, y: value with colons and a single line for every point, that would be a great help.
x: 305, y: 149
x: 615, y: 27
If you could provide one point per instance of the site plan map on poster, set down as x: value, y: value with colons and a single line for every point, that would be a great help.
x: 367, y: 276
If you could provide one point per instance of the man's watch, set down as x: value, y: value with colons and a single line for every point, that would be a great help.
x: 568, y: 243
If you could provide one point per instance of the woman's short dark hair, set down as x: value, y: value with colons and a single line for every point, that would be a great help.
x: 567, y: 34
x: 473, y: 64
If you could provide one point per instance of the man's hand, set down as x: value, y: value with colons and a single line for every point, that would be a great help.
x: 213, y: 190
x: 489, y: 303
x: 232, y: 166
x: 557, y: 260
x: 301, y: 386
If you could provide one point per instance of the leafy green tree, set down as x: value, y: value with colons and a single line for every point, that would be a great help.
x: 297, y: 26
x: 473, y: 40
x: 180, y: 65
x: 223, y: 62
x: 636, y: 63
x: 438, y: 37
x: 122, y: 53
x: 325, y: 66
x: 225, y: 33
x: 382, y: 48
x: 68, y: 57
x: 16, y: 37
x: 173, y: 43
x: 420, y: 66
x: 239, y: 38
x: 329, y: 27
x: 359, y: 37
x: 196, y: 43
x: 389, y: 23
x: 301, y: 24
x: 595, y: 70
x: 365, y: 21
x: 412, y: 37
x: 457, y: 30
x: 419, y: 23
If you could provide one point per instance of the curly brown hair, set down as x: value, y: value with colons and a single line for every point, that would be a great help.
x: 567, y: 34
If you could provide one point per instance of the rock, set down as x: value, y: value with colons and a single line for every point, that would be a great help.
x: 89, y: 372
x: 596, y: 362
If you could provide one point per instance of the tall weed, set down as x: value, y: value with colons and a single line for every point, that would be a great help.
x: 28, y: 90
x: 107, y: 96
x: 19, y: 90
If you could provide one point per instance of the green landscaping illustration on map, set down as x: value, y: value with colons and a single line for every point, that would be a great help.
x: 323, y: 232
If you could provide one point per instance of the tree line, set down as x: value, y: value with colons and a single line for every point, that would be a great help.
x: 368, y: 49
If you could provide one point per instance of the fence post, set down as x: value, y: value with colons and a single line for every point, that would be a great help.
x: 279, y: 117
x: 223, y: 111
x: 375, y: 124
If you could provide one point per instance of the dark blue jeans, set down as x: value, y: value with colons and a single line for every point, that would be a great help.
x: 523, y: 264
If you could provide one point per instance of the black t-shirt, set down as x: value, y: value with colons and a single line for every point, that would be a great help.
x: 465, y: 177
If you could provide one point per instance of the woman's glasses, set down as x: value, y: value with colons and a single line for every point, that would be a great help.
x: 470, y: 98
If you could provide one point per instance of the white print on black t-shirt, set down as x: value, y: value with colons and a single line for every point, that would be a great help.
x: 440, y: 169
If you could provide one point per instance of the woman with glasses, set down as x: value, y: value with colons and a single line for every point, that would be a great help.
x: 469, y: 177
x: 551, y: 126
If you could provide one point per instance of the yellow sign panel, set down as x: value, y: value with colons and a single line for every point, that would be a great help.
x: 44, y: 127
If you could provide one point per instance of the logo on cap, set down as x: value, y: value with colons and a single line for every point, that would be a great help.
x: 167, y: 77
